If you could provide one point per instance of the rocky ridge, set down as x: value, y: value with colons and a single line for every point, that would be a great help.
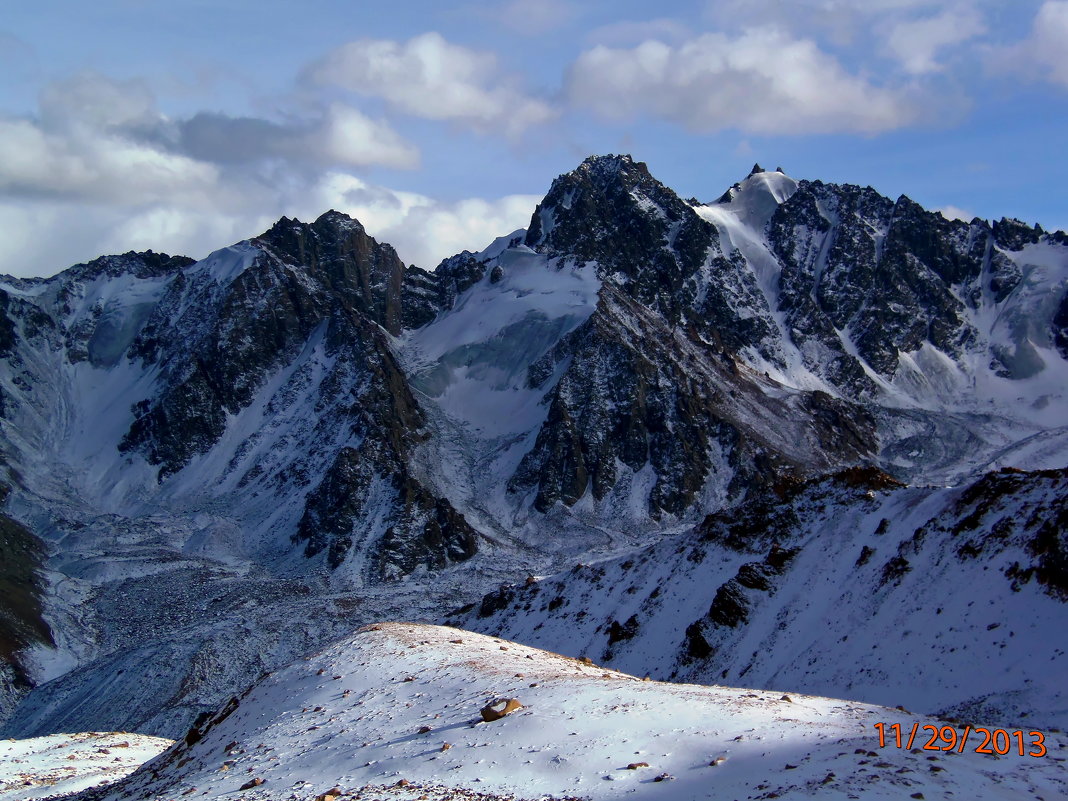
x: 854, y: 583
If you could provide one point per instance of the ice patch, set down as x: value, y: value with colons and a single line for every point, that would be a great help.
x: 226, y: 264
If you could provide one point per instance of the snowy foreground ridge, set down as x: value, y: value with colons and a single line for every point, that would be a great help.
x: 46, y: 767
x: 393, y: 712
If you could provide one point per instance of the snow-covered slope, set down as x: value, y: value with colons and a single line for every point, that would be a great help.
x: 394, y: 712
x: 948, y: 601
x: 62, y: 764
x: 470, y: 369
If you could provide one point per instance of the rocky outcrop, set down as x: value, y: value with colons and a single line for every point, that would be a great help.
x: 22, y: 624
x: 613, y: 212
x: 217, y: 341
x: 736, y: 598
x: 653, y: 247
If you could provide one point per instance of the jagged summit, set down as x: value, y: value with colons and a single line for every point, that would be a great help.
x: 602, y: 178
x: 324, y: 224
x: 338, y: 219
x: 612, y: 212
x: 775, y: 183
x: 761, y: 192
x: 611, y: 165
x: 138, y: 264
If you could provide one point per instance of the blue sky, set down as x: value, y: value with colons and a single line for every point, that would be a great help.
x: 188, y: 125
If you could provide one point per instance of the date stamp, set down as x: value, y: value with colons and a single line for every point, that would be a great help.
x: 947, y: 738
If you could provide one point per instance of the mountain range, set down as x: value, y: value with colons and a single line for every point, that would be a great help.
x: 800, y: 437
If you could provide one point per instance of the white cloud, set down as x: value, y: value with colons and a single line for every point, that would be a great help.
x: 350, y: 137
x: 429, y: 77
x: 96, y: 139
x: 843, y: 21
x: 338, y: 135
x: 181, y: 230
x: 762, y: 81
x: 917, y: 42
x: 951, y: 212
x: 44, y: 236
x: 86, y: 163
x: 102, y: 166
x: 1044, y: 51
x: 91, y: 100
x: 423, y: 230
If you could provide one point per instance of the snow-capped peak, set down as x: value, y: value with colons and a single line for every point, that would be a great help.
x: 755, y: 199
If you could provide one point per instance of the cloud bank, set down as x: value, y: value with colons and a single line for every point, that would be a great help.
x: 431, y: 78
x: 762, y: 81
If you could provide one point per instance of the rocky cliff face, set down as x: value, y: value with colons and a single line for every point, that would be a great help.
x: 219, y: 332
x: 651, y: 244
x: 890, y: 277
x: 637, y: 394
x: 654, y: 378
x: 22, y: 625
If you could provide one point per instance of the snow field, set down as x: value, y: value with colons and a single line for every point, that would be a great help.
x: 378, y: 709
x: 43, y: 767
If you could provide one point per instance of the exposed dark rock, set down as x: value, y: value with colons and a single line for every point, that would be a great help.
x: 496, y: 601
x: 894, y: 569
x: 218, y: 342
x: 696, y: 645
x: 420, y: 297
x: 7, y: 326
x: 866, y: 554
x: 421, y: 529
x: 22, y: 624
x: 1060, y: 327
x: 731, y: 605
x: 1013, y: 234
x: 612, y: 211
x: 424, y: 295
x: 855, y: 261
x: 623, y: 631
x: 736, y: 598
x: 637, y: 392
x: 358, y: 272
